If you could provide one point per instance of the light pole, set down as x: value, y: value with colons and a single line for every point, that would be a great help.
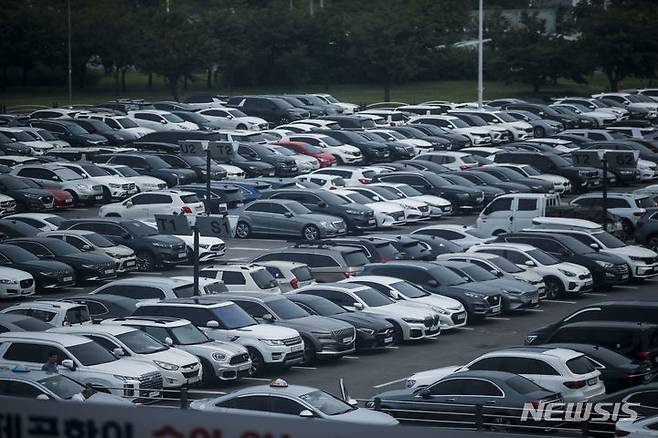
x: 70, y: 69
x: 480, y: 44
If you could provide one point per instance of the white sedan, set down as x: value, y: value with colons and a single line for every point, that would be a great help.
x: 14, y: 283
x: 460, y: 234
x: 387, y: 214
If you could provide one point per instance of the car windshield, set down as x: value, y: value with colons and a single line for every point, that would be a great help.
x: 298, y: 208
x: 98, y: 240
x: 311, y: 149
x: 324, y: 307
x: 233, y: 317
x: 75, y: 129
x: 173, y: 118
x: 459, y: 123
x: 523, y: 385
x: 580, y: 365
x: 126, y: 123
x: 139, y: 229
x: 445, y: 277
x: 67, y: 174
x: 505, y: 117
x: 388, y: 193
x: 194, y: 160
x: 409, y: 290
x: 250, y: 138
x: 408, y: 190
x: 326, y: 403
x: 608, y: 240
x: 91, y: 353
x: 530, y: 170
x: 94, y: 170
x: 356, y: 258
x: 192, y: 117
x: 17, y: 255
x: 140, y: 342
x: 30, y: 324
x: 358, y: 198
x: 14, y: 183
x: 61, y: 386
x: 330, y: 98
x: 18, y: 135
x: 331, y: 141
x: 477, y: 273
x: 46, y: 135
x: 373, y: 298
x: 542, y: 257
x: 286, y: 309
x: 77, y: 315
x: 126, y: 171
x: 505, y: 265
x: 59, y: 247
x: 460, y: 180
x: 263, y: 278
x: 188, y: 334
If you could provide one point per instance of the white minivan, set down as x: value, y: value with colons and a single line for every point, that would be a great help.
x: 514, y: 212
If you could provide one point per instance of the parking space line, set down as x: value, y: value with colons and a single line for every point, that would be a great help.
x: 303, y: 368
x: 257, y: 379
x: 498, y: 318
x: 246, y: 248
x: 534, y: 310
x: 626, y: 287
x: 391, y: 347
x: 392, y: 382
x: 560, y: 301
x: 465, y: 328
x: 592, y: 294
x: 351, y: 357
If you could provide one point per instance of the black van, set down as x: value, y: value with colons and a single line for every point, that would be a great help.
x: 629, y: 311
x: 632, y: 339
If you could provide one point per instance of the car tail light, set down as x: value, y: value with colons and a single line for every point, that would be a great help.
x: 644, y: 355
x: 638, y: 213
x: 463, y: 167
x: 345, y: 274
x: 294, y: 283
x: 364, y: 180
x: 186, y: 210
x: 66, y: 323
x: 575, y: 385
x: 332, y: 188
x: 619, y: 432
x: 380, y: 260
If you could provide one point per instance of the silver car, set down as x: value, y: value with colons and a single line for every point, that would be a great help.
x: 272, y: 216
x: 59, y: 177
x: 280, y: 400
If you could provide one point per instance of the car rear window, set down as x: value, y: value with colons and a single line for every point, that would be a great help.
x: 263, y: 279
x: 32, y: 325
x: 186, y: 291
x: 302, y: 273
x: 355, y: 258
x: 77, y: 315
x: 646, y: 203
x: 580, y: 365
x: 522, y: 385
x: 189, y: 199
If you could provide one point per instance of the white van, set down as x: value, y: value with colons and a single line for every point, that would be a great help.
x: 514, y: 212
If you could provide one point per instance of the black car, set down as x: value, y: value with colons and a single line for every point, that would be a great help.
x: 407, y: 247
x: 11, y: 147
x: 354, y: 121
x: 582, y: 178
x: 441, y: 281
x: 10, y: 228
x: 462, y: 198
x: 152, y: 165
x: 457, y: 141
x: 313, y: 110
x: 545, y: 112
x: 490, y: 192
x: 428, y: 166
x: 644, y: 398
x: 274, y: 110
x: 486, y: 179
x: 69, y: 131
x: 436, y: 245
x: 397, y: 150
x: 533, y: 185
x: 203, y: 123
x: 283, y: 166
x: 372, y: 151
x: 113, y: 136
x: 156, y: 146
x: 47, y: 274
x: 617, y: 371
x: 102, y: 306
x: 454, y: 400
x: 153, y: 250
x: 606, y: 269
x: 196, y: 163
x: 87, y: 266
x: 26, y: 197
x: 171, y: 106
x: 408, y: 131
x: 371, y: 331
x: 377, y: 250
x: 357, y: 217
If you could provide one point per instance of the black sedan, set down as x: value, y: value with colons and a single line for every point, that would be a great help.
x: 371, y: 331
x: 453, y: 400
x: 87, y: 266
x: 27, y: 198
x: 104, y: 306
x: 195, y: 163
x: 47, y: 274
x: 10, y: 228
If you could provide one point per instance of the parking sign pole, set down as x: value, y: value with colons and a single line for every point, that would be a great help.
x: 196, y: 259
x: 208, y: 180
x: 604, y: 203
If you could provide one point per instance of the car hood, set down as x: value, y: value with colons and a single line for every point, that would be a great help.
x: 511, y: 186
x: 551, y: 178
x: 164, y: 238
x: 267, y: 331
x: 250, y: 120
x: 360, y: 319
x: 125, y: 367
x: 48, y: 265
x: 176, y: 356
x: 605, y: 256
x: 510, y: 285
x: 208, y: 348
x: 138, y: 131
x: 577, y: 269
x: 527, y: 275
x: 384, y: 207
x: 101, y: 397
x: 313, y: 323
x: 39, y: 144
x: 38, y: 192
x: 436, y: 201
x: 87, y: 258
x: 146, y: 180
x: 109, y: 179
x: 365, y: 416
x: 13, y: 274
x: 316, y: 217
x: 479, y: 288
x: 631, y: 251
x: 401, y: 309
x: 118, y: 250
x: 440, y: 301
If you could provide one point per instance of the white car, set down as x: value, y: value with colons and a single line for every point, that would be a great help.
x: 47, y: 136
x: 42, y: 221
x: 348, y: 108
x: 114, y: 187
x: 232, y: 172
x: 450, y: 159
x: 414, y: 210
x: 344, y: 153
x: 220, y: 360
x: 231, y: 118
x: 177, y: 367
x: 556, y: 369
x: 161, y: 120
x: 7, y: 205
x: 119, y: 123
x: 643, y: 262
x: 648, y: 170
x: 89, y: 241
x: 477, y: 135
x: 451, y: 312
x: 243, y: 277
x: 460, y: 234
x: 17, y: 160
x: 39, y: 147
x: 559, y: 277
x: 519, y: 130
x: 15, y: 283
x: 289, y: 275
x: 418, y: 144
x: 643, y: 427
x: 387, y: 214
x: 315, y: 123
x: 329, y: 182
x: 84, y: 361
x: 411, y: 321
x: 353, y: 176
x: 144, y: 183
x: 559, y: 145
x: 632, y: 102
x: 561, y: 184
x: 146, y: 204
x: 57, y: 313
x: 438, y: 206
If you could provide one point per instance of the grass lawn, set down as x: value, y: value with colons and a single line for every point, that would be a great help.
x: 136, y: 84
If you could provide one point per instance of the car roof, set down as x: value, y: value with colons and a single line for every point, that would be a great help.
x: 147, y: 279
x: 567, y: 222
x: 612, y: 195
x: 159, y: 320
x: 349, y: 286
x: 59, y: 338
x: 560, y: 353
x: 69, y: 232
x: 253, y: 296
x: 292, y: 390
x: 612, y: 324
x: 518, y: 246
x: 50, y: 304
x: 204, y: 300
x: 114, y: 330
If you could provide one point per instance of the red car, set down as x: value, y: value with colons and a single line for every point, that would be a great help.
x: 325, y: 159
x: 62, y: 198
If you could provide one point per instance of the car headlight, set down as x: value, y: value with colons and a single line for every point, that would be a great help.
x: 413, y: 320
x: 439, y: 310
x: 350, y: 211
x: 82, y: 187
x: 219, y: 357
x: 582, y: 172
x: 567, y: 273
x: 163, y: 245
x: 115, y: 186
x: 32, y: 195
x: 410, y: 383
x: 166, y: 365
x: 7, y: 281
x: 366, y: 331
x: 90, y: 266
x: 272, y: 341
x: 124, y: 378
x: 605, y: 265
x: 474, y: 295
x: 326, y: 224
x: 48, y: 273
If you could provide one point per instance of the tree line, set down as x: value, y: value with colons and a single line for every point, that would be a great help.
x: 227, y: 43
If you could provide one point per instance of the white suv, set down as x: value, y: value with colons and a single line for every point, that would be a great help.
x: 220, y: 360
x: 57, y: 313
x: 114, y: 187
x: 243, y: 277
x: 144, y: 183
x: 223, y: 320
x: 556, y: 369
x: 83, y: 360
x: 450, y: 159
x: 560, y: 277
x: 160, y: 120
x: 145, y: 205
x: 177, y: 367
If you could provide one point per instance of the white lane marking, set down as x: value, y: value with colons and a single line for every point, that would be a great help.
x: 245, y: 248
x: 625, y: 287
x: 392, y: 382
x: 560, y: 301
x: 257, y: 379
x: 206, y: 392
x: 498, y: 318
x: 351, y: 357
x: 391, y: 347
x: 592, y: 294
x: 303, y: 368
x: 534, y: 310
x: 463, y: 328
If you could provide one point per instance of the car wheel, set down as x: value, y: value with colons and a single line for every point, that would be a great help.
x: 242, y: 230
x: 107, y: 196
x: 652, y: 243
x: 554, y: 288
x: 76, y: 199
x: 309, y: 353
x: 257, y: 362
x: 241, y: 127
x: 145, y: 261
x: 539, y: 131
x: 209, y: 378
x: 311, y: 232
x: 398, y: 337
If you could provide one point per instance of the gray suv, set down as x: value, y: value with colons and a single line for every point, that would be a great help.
x: 60, y: 177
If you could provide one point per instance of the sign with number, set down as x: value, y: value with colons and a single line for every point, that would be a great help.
x: 587, y: 158
x: 173, y: 224
x: 622, y: 159
x: 193, y: 147
x: 217, y: 226
x: 222, y: 150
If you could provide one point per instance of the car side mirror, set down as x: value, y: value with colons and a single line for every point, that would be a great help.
x: 288, y: 214
x: 68, y: 364
x: 394, y: 294
x: 268, y: 318
x: 128, y: 203
x: 433, y: 283
x: 118, y: 352
x: 425, y: 393
x: 306, y: 414
x: 126, y: 236
x: 163, y: 121
x: 55, y: 178
x: 212, y: 324
x: 358, y: 306
x: 86, y: 247
x: 352, y: 402
x: 530, y: 263
x: 322, y: 204
x: 496, y: 272
x: 168, y: 341
x: 43, y: 397
x: 595, y: 246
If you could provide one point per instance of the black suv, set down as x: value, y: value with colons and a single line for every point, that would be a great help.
x: 357, y: 217
x: 272, y: 109
x: 69, y: 131
x: 545, y: 112
x: 27, y: 198
x: 397, y: 150
x: 372, y: 151
x: 376, y: 249
x: 582, y: 178
x: 283, y: 166
x: 47, y: 273
x: 152, y: 249
x: 219, y: 201
x: 113, y: 136
x: 196, y: 163
x: 152, y: 165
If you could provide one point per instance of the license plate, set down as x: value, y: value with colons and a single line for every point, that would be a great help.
x: 535, y: 300
x: 99, y: 197
x: 371, y: 221
x: 297, y: 347
x: 495, y: 309
x: 387, y: 340
x: 624, y: 277
x: 182, y: 255
x: 592, y: 381
x: 109, y: 271
x: 130, y: 263
x: 68, y: 278
x: 461, y: 316
x: 589, y: 283
x: 68, y: 201
x: 154, y: 394
x: 347, y: 340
